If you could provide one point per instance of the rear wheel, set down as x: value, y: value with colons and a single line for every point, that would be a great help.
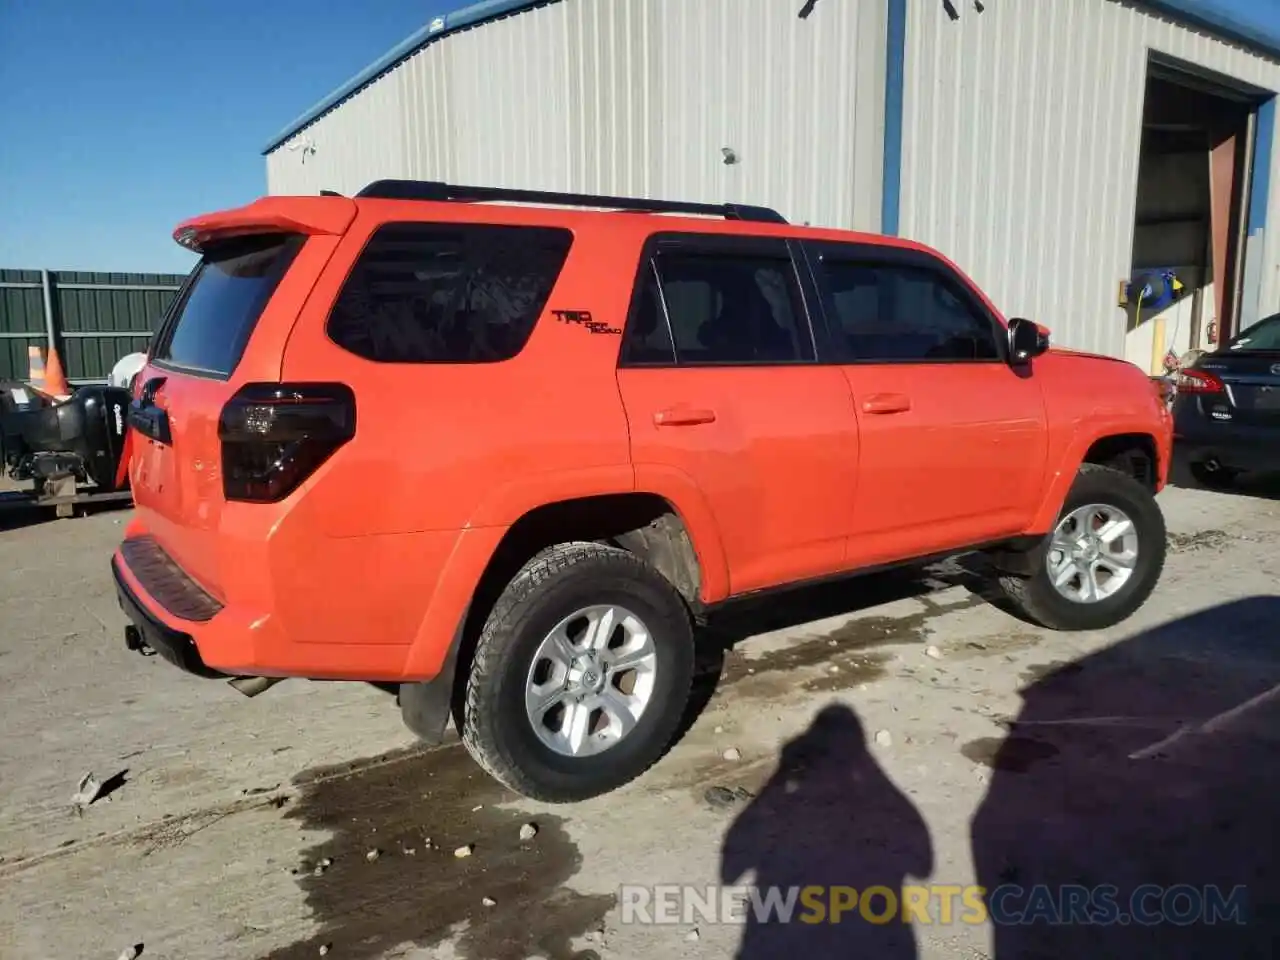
x: 581, y: 674
x: 1102, y: 559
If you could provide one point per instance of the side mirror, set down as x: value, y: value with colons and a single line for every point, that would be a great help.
x: 1026, y: 340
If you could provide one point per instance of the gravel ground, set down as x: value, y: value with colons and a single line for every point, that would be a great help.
x: 898, y: 730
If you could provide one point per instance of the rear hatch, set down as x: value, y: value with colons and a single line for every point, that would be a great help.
x: 1240, y: 383
x: 223, y: 335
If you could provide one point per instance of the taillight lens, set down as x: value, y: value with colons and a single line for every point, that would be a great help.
x: 275, y: 435
x: 1199, y: 381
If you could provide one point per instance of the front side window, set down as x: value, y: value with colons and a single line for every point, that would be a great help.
x: 447, y: 293
x: 892, y: 312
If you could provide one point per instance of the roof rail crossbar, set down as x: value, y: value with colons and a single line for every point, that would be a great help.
x: 438, y: 191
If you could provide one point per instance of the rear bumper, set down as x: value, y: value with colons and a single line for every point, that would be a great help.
x: 371, y: 617
x: 1234, y: 446
x: 175, y: 646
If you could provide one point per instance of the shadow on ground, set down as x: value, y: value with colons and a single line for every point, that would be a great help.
x: 828, y: 816
x: 1152, y: 764
x: 18, y: 510
x: 1130, y: 811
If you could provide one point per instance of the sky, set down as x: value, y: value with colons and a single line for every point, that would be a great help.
x: 121, y: 118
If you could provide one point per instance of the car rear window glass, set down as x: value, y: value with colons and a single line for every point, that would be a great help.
x: 222, y: 300
x: 448, y: 293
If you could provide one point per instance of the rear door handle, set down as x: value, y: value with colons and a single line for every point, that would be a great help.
x: 683, y: 417
x: 886, y: 403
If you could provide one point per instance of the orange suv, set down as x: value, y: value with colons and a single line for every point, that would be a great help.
x: 504, y: 449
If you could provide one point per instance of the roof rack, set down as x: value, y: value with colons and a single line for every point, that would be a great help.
x: 438, y: 191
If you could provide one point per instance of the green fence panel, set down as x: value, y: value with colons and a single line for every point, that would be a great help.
x: 97, y: 317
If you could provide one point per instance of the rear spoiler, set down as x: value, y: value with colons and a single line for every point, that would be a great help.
x: 311, y: 216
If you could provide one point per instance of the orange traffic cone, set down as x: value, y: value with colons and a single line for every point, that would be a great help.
x: 55, y: 381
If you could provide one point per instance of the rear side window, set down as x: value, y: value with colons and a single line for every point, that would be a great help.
x: 212, y: 320
x: 718, y: 308
x: 447, y: 293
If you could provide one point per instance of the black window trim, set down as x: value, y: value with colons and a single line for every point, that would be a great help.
x: 293, y: 244
x: 436, y: 222
x: 719, y: 244
x: 816, y: 252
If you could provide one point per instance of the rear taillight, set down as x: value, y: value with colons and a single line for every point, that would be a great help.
x: 275, y: 435
x: 1198, y: 381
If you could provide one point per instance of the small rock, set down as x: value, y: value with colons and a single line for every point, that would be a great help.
x: 884, y: 738
x: 326, y: 863
x: 932, y: 652
x: 373, y: 854
x: 489, y: 902
x: 477, y: 807
x: 692, y: 936
x: 464, y: 851
x: 130, y: 952
x: 862, y: 686
x: 833, y: 669
x: 733, y: 753
x: 719, y: 730
x: 528, y: 831
x: 833, y: 643
x: 751, y: 669
x: 409, y: 851
x: 324, y: 949
x: 426, y: 842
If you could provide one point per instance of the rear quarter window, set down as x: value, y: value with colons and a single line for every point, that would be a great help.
x: 447, y: 293
x: 220, y: 304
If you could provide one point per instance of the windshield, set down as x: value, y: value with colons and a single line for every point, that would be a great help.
x: 1262, y: 336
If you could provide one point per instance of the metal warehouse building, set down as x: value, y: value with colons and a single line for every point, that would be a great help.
x: 1067, y: 154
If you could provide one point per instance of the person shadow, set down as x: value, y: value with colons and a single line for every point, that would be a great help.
x: 1132, y: 808
x: 828, y: 818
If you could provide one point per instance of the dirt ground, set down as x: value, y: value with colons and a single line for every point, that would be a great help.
x: 858, y: 755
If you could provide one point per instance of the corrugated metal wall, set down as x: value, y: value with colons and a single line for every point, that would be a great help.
x: 631, y: 97
x: 97, y: 318
x: 1021, y: 130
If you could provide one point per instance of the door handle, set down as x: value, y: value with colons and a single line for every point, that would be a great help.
x: 683, y: 417
x: 886, y: 403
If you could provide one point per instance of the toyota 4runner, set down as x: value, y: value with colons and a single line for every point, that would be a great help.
x: 503, y: 450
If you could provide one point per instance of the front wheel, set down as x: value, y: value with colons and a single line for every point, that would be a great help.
x: 1102, y: 560
x: 581, y: 675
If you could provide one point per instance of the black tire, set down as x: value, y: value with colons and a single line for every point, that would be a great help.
x: 555, y: 583
x: 1035, y: 597
x: 1222, y: 478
